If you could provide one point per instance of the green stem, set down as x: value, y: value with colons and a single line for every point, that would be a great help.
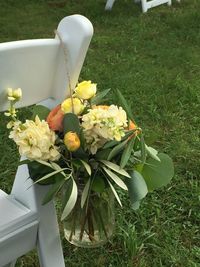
x: 83, y: 226
x: 90, y: 225
x: 73, y: 225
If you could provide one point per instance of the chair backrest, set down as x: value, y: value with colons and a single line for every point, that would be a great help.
x: 39, y: 66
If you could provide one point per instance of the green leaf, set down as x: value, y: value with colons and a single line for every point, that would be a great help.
x: 71, y: 201
x: 97, y: 99
x: 137, y: 188
x: 53, y: 191
x: 115, y: 178
x: 103, y: 154
x: 87, y: 167
x: 152, y: 152
x: 85, y: 193
x: 22, y: 162
x: 127, y: 153
x: 110, y: 144
x: 125, y: 105
x: 114, y: 142
x: 56, y: 167
x: 115, y: 168
x: 47, y: 176
x: 115, y: 151
x: 98, y: 184
x: 158, y: 173
x: 143, y: 149
x: 71, y: 123
x: 44, y: 163
x: 114, y: 192
x: 41, y: 111
x: 38, y: 170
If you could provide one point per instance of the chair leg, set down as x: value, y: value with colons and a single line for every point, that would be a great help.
x: 169, y: 3
x: 144, y: 6
x: 48, y: 243
x: 109, y: 4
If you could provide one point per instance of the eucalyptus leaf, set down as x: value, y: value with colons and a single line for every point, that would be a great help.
x: 71, y: 201
x: 117, y: 149
x: 158, y: 173
x: 41, y: 111
x: 137, y: 188
x: 71, y: 123
x: 114, y: 192
x: 127, y: 153
x: 85, y: 193
x: 115, y: 178
x: 115, y: 167
x: 97, y: 99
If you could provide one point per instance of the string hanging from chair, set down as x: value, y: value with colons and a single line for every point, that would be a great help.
x: 65, y: 52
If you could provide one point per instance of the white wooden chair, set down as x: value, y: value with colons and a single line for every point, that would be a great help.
x: 39, y: 68
x: 145, y: 4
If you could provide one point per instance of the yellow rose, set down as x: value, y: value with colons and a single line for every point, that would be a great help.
x: 66, y: 106
x: 85, y: 90
x: 72, y: 141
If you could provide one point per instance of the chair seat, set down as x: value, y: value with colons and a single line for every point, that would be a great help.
x: 13, y: 214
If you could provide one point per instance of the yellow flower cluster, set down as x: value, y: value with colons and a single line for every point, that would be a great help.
x: 13, y: 95
x: 84, y: 91
x: 35, y: 140
x: 101, y: 125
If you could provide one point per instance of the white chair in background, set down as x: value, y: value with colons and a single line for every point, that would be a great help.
x: 145, y: 4
x: 39, y: 68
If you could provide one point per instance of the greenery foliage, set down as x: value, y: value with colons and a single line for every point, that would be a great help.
x: 154, y: 60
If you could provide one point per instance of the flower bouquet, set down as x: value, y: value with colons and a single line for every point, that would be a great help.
x: 89, y: 152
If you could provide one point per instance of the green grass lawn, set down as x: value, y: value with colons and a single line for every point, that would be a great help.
x: 154, y: 59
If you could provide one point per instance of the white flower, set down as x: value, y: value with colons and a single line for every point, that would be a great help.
x: 14, y: 94
x: 35, y: 140
x: 101, y: 125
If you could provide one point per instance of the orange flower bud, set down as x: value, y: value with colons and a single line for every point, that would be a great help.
x: 72, y: 141
x: 133, y: 126
x: 55, y: 119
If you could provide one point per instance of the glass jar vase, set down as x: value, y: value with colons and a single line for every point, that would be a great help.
x: 92, y: 225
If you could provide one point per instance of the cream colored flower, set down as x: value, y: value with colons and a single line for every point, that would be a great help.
x: 101, y: 125
x: 77, y: 108
x: 14, y: 94
x: 35, y: 140
x: 85, y: 90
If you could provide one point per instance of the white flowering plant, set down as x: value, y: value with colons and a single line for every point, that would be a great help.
x: 81, y: 143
